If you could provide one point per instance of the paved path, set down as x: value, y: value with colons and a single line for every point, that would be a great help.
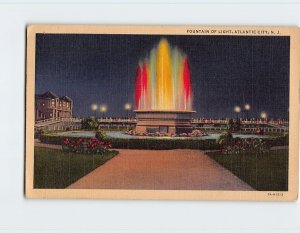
x: 161, y: 169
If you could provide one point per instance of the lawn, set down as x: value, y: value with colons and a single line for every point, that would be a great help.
x: 55, y: 169
x: 265, y: 172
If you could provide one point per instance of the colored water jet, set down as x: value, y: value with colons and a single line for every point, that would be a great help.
x: 163, y: 80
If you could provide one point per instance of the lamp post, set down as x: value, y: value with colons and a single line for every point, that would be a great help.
x: 127, y: 107
x: 94, y: 108
x: 263, y: 115
x: 103, y: 109
x: 237, y: 110
x: 247, y: 108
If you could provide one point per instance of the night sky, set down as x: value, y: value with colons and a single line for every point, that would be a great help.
x: 226, y: 71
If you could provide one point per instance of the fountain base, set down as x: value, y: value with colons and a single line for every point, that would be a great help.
x: 166, y: 122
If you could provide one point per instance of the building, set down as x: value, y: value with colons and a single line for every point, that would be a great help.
x: 49, y: 105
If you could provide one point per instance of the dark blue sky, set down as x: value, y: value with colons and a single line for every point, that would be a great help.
x: 226, y: 71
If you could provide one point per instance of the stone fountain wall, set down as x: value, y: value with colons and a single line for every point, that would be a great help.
x: 171, y: 122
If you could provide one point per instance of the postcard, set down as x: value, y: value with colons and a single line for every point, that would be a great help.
x: 162, y: 112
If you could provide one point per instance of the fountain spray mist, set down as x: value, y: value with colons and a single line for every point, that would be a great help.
x: 163, y: 81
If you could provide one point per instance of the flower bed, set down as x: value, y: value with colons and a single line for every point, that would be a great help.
x: 91, y: 145
x: 245, y: 146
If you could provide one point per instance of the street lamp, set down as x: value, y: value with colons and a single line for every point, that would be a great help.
x: 247, y: 108
x: 127, y: 107
x: 237, y: 110
x: 94, y: 108
x: 263, y: 115
x: 103, y: 109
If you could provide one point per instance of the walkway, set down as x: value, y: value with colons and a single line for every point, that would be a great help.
x: 161, y: 169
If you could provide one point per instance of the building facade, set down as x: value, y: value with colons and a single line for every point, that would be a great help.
x: 49, y: 105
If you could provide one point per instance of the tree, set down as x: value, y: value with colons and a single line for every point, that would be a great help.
x: 234, y: 125
x: 230, y: 124
x: 237, y: 125
x: 89, y: 123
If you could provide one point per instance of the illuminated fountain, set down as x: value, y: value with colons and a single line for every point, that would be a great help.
x: 163, y: 95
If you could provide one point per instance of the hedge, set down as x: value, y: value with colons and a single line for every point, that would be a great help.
x: 55, y: 139
x: 164, y: 144
x: 277, y: 141
x: 161, y: 144
x: 139, y: 143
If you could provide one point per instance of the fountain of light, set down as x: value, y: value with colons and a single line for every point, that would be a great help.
x: 163, y: 95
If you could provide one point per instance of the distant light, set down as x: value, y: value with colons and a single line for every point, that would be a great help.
x: 247, y: 106
x: 103, y: 108
x: 127, y: 106
x: 263, y: 115
x: 237, y: 109
x: 94, y: 107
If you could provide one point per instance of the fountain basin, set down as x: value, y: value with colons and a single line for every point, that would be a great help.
x: 122, y: 135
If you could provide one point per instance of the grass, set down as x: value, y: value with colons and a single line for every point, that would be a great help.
x: 264, y: 172
x: 56, y: 169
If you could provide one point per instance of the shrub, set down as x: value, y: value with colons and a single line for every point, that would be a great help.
x: 101, y: 136
x: 89, y: 123
x: 39, y: 132
x: 42, y: 131
x: 225, y: 138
